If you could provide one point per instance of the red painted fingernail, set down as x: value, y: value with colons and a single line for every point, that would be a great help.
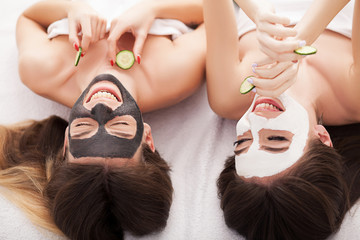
x: 76, y: 47
x: 138, y: 58
x: 82, y: 54
x: 112, y: 62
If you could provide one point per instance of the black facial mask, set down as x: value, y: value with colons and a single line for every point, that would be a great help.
x: 103, y: 144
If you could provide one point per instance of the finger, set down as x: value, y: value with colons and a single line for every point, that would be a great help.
x: 281, y: 57
x: 277, y: 92
x: 115, y: 34
x: 277, y: 30
x: 103, y: 28
x: 95, y: 25
x: 73, y: 33
x: 273, y: 70
x: 86, y: 33
x: 275, y: 83
x: 275, y: 19
x: 140, y: 38
x: 277, y: 46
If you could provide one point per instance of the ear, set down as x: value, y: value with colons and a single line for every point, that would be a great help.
x: 66, y: 139
x: 148, y: 137
x: 323, y: 135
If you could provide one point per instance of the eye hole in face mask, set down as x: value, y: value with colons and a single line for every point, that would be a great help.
x: 82, y: 128
x: 275, y: 141
x: 243, y: 142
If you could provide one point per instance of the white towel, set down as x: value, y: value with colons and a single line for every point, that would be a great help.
x: 110, y: 9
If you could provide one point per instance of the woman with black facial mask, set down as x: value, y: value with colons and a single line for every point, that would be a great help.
x: 99, y: 176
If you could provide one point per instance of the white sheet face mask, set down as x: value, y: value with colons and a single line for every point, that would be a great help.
x: 259, y: 163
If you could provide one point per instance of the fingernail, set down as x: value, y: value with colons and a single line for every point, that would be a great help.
x: 250, y: 80
x: 138, y: 58
x: 76, y: 46
x: 295, y: 61
x: 82, y: 54
x: 302, y: 43
x: 253, y: 90
x: 253, y: 66
x: 112, y: 62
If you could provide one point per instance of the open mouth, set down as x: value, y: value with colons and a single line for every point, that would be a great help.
x: 103, y: 92
x: 268, y: 104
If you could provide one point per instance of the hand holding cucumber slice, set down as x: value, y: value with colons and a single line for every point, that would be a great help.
x: 305, y: 50
x: 246, y: 86
x: 125, y: 59
x: 78, y: 55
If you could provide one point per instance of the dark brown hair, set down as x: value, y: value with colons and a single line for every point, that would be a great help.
x: 307, y: 203
x: 84, y: 201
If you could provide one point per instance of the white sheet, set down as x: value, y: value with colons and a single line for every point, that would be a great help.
x: 189, y: 135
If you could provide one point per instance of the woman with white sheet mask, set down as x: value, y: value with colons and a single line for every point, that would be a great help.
x: 105, y: 179
x: 286, y: 180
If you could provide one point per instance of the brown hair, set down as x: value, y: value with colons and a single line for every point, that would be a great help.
x: 308, y: 203
x: 84, y: 201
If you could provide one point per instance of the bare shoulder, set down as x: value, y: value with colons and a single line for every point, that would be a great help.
x: 173, y: 70
x: 45, y: 70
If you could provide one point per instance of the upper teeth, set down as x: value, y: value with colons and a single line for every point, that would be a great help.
x: 103, y: 94
x: 267, y: 106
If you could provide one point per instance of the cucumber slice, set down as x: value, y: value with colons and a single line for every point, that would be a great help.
x: 78, y: 55
x: 125, y: 59
x: 246, y: 86
x: 305, y: 50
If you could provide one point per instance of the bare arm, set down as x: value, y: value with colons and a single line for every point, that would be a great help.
x: 39, y: 59
x: 320, y: 12
x: 224, y: 74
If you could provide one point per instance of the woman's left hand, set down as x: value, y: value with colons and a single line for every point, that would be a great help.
x: 273, y: 78
x: 276, y: 39
x: 138, y: 21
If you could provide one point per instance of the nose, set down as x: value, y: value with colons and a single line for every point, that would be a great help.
x: 101, y: 113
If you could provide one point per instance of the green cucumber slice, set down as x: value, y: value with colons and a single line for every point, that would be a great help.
x: 305, y: 50
x: 78, y: 55
x: 125, y: 59
x: 246, y: 86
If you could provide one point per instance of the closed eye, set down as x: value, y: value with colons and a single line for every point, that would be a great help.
x: 277, y: 138
x: 238, y: 142
x: 82, y: 124
x: 119, y: 123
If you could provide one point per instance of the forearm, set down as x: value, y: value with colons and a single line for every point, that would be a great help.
x: 251, y: 7
x: 223, y: 77
x: 187, y: 11
x: 317, y: 17
x: 48, y: 11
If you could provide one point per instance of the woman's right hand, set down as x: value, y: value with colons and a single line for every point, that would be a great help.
x: 85, y: 20
x: 276, y: 39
